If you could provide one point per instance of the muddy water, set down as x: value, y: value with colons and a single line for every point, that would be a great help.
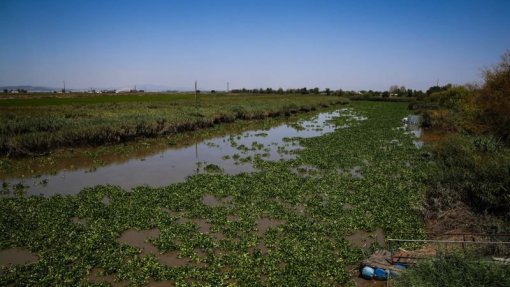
x: 95, y: 277
x: 16, y: 256
x: 229, y: 154
x: 363, y: 239
x: 140, y: 239
x: 264, y: 224
x: 212, y: 201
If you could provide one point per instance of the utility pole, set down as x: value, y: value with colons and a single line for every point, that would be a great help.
x: 196, y: 100
x: 228, y: 87
x: 64, y: 90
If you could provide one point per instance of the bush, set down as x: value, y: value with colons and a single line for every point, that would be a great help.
x: 453, y: 97
x: 492, y: 102
x: 455, y: 270
x: 478, y: 168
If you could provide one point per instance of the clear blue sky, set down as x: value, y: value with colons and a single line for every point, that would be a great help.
x: 289, y: 44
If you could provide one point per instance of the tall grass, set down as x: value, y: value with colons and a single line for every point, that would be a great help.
x: 32, y: 126
x: 476, y: 170
x: 455, y: 270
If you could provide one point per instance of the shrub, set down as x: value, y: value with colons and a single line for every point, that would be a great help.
x: 478, y: 168
x: 455, y: 270
x: 492, y: 102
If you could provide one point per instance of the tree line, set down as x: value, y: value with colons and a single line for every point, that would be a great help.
x: 393, y: 91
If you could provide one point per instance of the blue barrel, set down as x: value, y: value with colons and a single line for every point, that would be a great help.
x: 400, y: 266
x: 380, y: 274
x: 367, y: 272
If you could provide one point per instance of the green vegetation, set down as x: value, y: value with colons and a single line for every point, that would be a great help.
x: 35, y: 126
x: 273, y: 227
x: 469, y: 190
x: 473, y: 155
x: 93, y: 157
x: 455, y: 269
x: 471, y: 109
x: 476, y: 170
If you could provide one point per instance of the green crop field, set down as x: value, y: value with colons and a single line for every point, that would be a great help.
x: 272, y: 227
x: 32, y: 126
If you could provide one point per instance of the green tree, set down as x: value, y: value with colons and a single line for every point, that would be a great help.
x: 493, y: 99
x: 452, y: 98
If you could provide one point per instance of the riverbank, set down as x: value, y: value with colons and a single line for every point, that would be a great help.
x: 228, y: 148
x: 37, y: 126
x: 91, y: 158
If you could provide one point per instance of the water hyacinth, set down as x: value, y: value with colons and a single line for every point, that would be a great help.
x: 274, y: 226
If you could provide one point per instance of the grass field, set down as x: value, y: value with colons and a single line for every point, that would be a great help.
x: 30, y: 126
x: 273, y: 227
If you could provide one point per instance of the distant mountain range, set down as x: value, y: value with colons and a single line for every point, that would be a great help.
x: 29, y: 88
x: 148, y: 88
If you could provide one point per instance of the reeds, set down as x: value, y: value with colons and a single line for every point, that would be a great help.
x: 48, y: 124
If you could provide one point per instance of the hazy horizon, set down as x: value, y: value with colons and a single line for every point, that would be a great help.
x: 350, y: 45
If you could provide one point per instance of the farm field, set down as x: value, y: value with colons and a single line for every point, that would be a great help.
x: 34, y: 126
x: 304, y: 220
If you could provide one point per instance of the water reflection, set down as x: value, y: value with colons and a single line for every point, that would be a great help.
x: 229, y: 154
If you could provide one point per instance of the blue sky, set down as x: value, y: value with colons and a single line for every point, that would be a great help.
x: 290, y: 44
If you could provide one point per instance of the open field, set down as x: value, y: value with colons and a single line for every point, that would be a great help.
x: 299, y: 222
x: 38, y: 125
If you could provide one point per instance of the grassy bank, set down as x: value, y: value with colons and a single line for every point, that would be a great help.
x: 39, y: 125
x: 455, y: 269
x: 469, y: 188
x: 97, y: 156
x: 292, y: 223
x: 472, y: 148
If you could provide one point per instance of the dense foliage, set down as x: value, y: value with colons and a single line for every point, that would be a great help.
x: 474, y: 160
x: 476, y: 170
x: 492, y: 102
x: 476, y: 110
x: 453, y: 270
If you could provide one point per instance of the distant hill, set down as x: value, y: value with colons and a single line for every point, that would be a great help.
x: 145, y: 87
x: 29, y: 88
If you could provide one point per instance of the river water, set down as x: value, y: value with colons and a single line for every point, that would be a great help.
x: 231, y: 154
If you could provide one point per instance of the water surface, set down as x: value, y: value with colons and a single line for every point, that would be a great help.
x: 230, y: 154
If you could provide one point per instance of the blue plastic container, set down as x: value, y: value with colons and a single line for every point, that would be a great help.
x: 400, y: 266
x: 380, y: 274
x: 367, y: 272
